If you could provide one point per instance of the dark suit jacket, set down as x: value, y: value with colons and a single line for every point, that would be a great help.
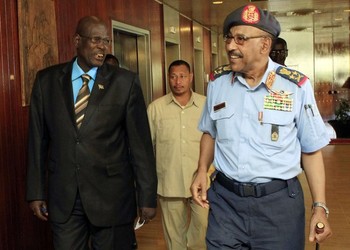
x: 105, y: 159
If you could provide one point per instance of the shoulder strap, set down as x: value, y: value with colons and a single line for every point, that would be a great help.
x: 292, y: 75
x: 219, y: 71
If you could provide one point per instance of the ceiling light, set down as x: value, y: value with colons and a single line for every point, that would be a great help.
x: 218, y: 2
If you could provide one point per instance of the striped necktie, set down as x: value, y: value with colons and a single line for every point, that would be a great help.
x: 82, y: 100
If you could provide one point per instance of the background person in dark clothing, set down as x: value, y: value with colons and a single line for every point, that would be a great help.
x: 279, y: 51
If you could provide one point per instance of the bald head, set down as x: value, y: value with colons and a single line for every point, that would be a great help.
x: 85, y: 23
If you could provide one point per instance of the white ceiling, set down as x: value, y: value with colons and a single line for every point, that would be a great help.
x: 326, y: 18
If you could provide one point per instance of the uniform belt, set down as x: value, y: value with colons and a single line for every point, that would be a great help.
x: 251, y: 189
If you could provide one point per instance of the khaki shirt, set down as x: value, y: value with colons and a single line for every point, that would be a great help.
x: 176, y: 140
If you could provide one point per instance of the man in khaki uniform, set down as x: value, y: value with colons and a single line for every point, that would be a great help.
x: 173, y: 122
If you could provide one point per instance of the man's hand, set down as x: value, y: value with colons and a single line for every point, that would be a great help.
x: 147, y: 214
x: 39, y: 209
x: 319, y: 235
x: 199, y: 189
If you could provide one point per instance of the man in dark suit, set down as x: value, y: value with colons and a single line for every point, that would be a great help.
x: 94, y: 165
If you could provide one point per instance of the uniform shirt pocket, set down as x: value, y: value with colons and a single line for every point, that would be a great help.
x: 276, y: 128
x: 224, y: 120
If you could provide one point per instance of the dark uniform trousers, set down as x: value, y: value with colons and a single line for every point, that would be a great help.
x: 271, y: 221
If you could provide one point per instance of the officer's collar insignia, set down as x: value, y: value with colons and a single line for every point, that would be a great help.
x: 292, y: 75
x: 270, y: 80
x: 222, y: 70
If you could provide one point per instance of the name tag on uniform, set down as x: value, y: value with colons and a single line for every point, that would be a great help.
x: 219, y: 106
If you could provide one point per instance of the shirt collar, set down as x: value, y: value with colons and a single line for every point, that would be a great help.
x: 77, y: 71
x: 271, y: 66
x: 193, y: 100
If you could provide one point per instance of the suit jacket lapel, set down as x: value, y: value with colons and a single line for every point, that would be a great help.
x: 65, y: 82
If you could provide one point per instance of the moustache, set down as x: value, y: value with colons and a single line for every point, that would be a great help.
x: 235, y: 54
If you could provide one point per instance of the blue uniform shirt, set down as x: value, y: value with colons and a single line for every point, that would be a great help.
x: 254, y: 143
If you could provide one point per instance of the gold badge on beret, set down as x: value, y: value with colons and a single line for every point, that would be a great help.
x: 250, y: 14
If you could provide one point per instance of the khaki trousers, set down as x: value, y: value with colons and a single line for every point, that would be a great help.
x: 184, y: 224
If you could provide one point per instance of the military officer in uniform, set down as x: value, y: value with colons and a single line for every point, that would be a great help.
x: 259, y: 120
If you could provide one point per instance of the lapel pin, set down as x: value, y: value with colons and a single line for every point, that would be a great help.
x: 100, y: 86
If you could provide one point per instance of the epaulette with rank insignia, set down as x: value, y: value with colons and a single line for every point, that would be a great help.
x: 219, y: 71
x: 292, y: 75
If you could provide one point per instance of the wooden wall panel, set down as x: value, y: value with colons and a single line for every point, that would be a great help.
x: 186, y: 40
x: 37, y: 42
x: 157, y: 50
x: 14, y: 212
x: 207, y: 56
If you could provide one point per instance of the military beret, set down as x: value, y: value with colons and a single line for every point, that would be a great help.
x: 253, y: 16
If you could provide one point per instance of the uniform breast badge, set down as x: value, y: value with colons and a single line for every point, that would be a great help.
x: 274, y: 132
x: 277, y: 100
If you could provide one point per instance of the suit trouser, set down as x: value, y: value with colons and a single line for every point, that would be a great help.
x: 184, y: 223
x: 274, y: 221
x: 76, y: 233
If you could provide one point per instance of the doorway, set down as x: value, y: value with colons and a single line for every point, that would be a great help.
x: 131, y: 45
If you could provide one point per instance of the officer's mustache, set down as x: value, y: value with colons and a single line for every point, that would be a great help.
x: 233, y: 53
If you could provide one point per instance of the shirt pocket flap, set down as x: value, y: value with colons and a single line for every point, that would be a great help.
x: 223, y: 113
x: 277, y: 117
